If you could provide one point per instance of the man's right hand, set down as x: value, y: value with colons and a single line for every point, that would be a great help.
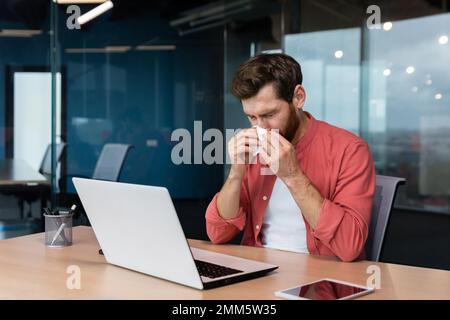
x: 240, y: 149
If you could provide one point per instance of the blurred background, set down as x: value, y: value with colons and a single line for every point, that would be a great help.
x: 143, y: 69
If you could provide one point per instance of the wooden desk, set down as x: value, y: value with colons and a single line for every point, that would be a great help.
x: 29, y: 270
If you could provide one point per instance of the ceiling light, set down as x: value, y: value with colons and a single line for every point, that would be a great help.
x: 19, y: 33
x: 94, y: 13
x: 443, y: 40
x: 387, y: 26
x: 387, y: 72
x: 78, y: 1
x: 108, y: 49
x: 410, y: 69
x: 339, y: 54
x: 119, y: 49
x: 155, y: 47
x: 438, y: 96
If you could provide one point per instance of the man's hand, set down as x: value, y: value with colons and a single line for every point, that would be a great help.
x: 279, y: 154
x: 240, y: 149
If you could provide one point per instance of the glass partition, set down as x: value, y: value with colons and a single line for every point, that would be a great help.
x: 406, y: 106
x: 25, y: 114
x: 387, y: 82
x: 134, y: 76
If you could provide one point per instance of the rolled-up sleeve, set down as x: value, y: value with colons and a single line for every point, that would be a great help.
x: 344, y: 219
x: 221, y: 230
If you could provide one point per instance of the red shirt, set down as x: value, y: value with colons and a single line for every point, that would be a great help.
x: 340, y: 166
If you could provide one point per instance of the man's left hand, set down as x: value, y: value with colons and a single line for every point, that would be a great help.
x: 279, y: 154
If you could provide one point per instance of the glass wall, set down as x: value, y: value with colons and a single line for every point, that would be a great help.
x: 133, y: 78
x: 25, y: 112
x: 259, y: 30
x: 406, y: 104
x: 331, y: 63
x: 387, y: 83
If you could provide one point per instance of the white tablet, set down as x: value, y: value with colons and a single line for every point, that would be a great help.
x: 324, y: 289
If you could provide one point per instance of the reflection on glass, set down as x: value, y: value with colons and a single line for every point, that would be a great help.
x: 325, y: 290
x: 408, y: 119
x: 133, y: 79
x: 330, y: 63
x: 403, y: 109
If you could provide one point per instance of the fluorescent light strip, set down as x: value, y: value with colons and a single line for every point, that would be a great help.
x: 94, y: 13
x: 117, y: 48
x: 19, y: 33
x: 78, y: 1
x: 155, y: 47
x: 109, y: 49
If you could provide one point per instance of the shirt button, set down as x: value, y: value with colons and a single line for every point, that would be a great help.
x: 257, y: 227
x: 264, y: 198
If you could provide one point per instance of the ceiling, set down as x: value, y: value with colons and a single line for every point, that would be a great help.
x: 34, y: 12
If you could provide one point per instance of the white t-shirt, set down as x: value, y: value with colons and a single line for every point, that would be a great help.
x: 283, y: 227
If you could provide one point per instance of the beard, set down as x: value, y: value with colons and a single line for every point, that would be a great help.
x: 293, y: 124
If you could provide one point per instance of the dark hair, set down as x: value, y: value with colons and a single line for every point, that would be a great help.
x: 279, y: 69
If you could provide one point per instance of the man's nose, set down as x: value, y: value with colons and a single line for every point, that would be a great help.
x: 262, y: 124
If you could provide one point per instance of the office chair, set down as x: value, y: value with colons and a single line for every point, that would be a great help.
x: 383, y: 200
x: 108, y: 167
x: 46, y: 165
x: 110, y: 162
x: 32, y: 194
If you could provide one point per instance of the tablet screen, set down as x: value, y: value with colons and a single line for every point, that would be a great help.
x: 324, y: 290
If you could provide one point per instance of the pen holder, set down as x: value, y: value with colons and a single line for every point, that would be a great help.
x: 58, y: 230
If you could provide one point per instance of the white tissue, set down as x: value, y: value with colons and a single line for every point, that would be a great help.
x: 261, y: 132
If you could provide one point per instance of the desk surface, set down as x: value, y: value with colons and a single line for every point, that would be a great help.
x: 16, y: 171
x: 29, y: 270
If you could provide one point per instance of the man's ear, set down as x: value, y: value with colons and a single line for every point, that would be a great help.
x: 299, y: 97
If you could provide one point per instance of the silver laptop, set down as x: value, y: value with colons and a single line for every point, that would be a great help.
x: 137, y: 228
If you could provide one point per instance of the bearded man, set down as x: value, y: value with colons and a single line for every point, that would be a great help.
x: 318, y: 198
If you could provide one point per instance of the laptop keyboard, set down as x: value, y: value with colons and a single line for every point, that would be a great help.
x: 211, y: 270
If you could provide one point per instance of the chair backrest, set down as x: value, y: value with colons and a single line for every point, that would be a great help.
x: 46, y: 164
x: 110, y: 162
x: 383, y: 200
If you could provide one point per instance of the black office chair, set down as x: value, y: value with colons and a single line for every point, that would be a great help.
x: 41, y: 191
x: 383, y: 200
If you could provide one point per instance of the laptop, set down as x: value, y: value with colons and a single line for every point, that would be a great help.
x: 138, y: 228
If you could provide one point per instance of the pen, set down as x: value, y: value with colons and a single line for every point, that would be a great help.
x: 61, y: 227
x: 48, y: 212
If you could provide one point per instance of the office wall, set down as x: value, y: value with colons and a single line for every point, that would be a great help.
x: 136, y: 97
x: 16, y: 51
x: 140, y: 98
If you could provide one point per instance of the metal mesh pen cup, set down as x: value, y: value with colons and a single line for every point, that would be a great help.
x: 58, y: 230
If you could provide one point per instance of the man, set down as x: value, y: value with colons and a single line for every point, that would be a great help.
x: 319, y: 198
